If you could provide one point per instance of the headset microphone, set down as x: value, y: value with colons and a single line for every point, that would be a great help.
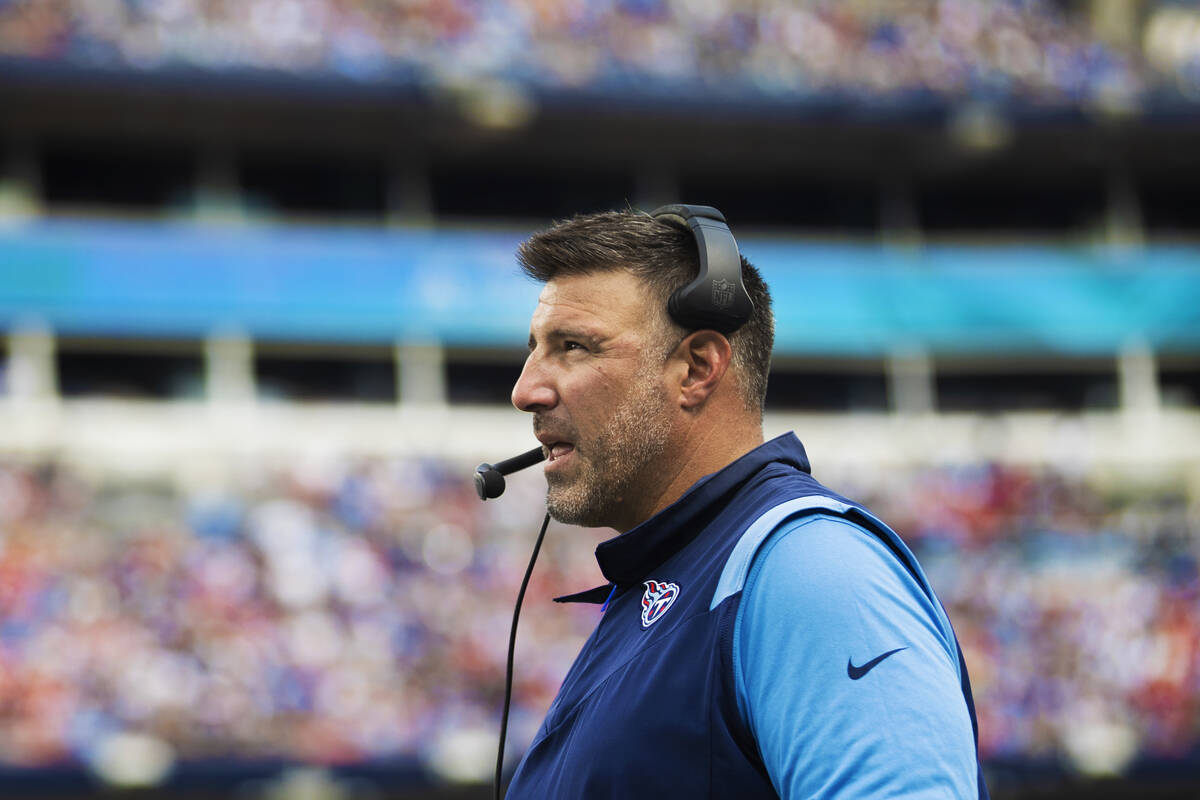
x: 489, y: 478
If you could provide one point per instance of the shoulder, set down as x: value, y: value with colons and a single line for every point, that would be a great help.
x: 813, y: 531
x: 836, y: 572
x: 849, y: 587
x: 827, y: 551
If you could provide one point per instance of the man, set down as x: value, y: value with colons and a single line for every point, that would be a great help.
x: 761, y: 635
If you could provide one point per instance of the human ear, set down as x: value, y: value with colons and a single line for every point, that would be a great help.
x: 707, y: 356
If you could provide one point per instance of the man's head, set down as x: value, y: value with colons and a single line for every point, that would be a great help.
x: 664, y: 257
x: 628, y: 404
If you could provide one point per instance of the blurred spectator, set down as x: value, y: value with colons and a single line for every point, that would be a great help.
x: 330, y: 615
x: 1031, y: 50
x: 352, y: 611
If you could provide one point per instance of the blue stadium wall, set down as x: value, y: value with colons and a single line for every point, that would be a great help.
x: 463, y: 288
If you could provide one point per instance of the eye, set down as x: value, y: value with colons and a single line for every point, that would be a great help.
x: 570, y: 344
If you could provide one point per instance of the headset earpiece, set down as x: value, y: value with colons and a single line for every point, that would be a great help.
x: 717, y: 298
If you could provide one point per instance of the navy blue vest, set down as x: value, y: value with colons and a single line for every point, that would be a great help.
x: 651, y: 710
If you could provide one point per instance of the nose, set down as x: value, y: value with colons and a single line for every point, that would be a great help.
x: 534, y: 390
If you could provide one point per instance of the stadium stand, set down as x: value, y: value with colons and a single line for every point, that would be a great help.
x: 1033, y: 50
x: 261, y: 318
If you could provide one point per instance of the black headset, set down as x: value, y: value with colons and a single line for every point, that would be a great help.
x: 717, y: 298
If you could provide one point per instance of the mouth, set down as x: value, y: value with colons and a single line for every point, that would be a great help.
x: 556, y: 438
x: 557, y: 453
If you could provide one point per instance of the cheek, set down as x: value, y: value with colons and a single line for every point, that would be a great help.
x: 585, y: 408
x: 591, y: 399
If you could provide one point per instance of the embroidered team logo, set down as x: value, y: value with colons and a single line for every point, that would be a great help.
x: 656, y: 600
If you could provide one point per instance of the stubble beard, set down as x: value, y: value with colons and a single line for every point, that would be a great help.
x: 610, y: 467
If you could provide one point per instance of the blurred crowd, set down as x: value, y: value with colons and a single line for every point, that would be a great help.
x: 346, y: 611
x: 1077, y: 604
x: 1031, y: 50
x: 328, y: 613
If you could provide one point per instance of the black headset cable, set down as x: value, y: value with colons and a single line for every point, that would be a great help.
x: 512, y: 645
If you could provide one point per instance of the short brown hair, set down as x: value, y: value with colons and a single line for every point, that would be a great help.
x: 665, y: 257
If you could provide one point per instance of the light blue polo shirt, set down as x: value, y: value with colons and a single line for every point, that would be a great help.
x: 846, y: 669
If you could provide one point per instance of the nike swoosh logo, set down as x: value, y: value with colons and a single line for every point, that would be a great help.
x: 857, y: 672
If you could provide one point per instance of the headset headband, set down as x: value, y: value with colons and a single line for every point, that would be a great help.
x: 717, y: 298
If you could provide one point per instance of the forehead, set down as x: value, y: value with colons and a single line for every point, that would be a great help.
x: 603, y: 300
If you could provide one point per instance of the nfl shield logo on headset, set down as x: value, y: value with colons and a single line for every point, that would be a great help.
x: 657, y: 598
x: 722, y: 293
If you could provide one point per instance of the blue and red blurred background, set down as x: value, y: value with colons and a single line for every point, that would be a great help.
x: 261, y: 317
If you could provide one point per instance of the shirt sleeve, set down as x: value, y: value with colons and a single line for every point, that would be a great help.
x: 847, y: 671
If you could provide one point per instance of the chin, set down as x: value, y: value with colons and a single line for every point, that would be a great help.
x: 573, y: 508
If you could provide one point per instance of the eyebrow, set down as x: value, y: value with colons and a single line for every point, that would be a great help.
x: 569, y: 333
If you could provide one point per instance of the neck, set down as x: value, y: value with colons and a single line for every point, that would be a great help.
x: 706, y: 446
